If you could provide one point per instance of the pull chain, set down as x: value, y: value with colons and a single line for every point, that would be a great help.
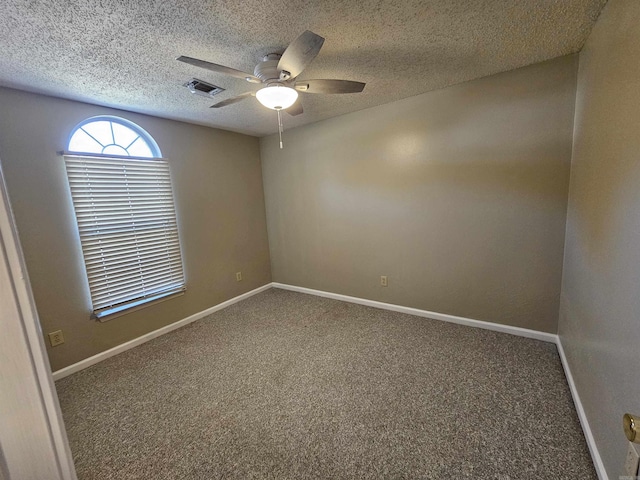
x: 280, y: 129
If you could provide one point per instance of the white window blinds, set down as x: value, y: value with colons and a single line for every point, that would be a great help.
x: 128, y: 230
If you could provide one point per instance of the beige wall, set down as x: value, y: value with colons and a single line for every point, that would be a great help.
x: 600, y: 307
x: 220, y: 206
x: 457, y: 195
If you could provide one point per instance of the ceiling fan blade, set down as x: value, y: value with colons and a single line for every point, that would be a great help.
x: 329, y: 86
x: 214, y: 67
x: 300, y: 53
x: 295, y: 109
x: 232, y: 100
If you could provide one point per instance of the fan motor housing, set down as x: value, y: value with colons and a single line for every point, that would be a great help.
x: 268, y: 68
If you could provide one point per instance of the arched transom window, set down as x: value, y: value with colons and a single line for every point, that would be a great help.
x: 112, y: 136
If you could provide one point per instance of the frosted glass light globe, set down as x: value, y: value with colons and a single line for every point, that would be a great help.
x: 277, y: 97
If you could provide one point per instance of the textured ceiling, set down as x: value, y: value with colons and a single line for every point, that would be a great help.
x: 121, y: 53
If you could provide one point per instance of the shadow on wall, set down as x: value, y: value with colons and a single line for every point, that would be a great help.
x: 606, y: 184
x: 458, y: 147
x: 483, y: 175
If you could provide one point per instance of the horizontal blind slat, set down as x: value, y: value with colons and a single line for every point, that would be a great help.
x: 132, y: 215
x: 104, y: 241
x: 102, y: 193
x: 147, y: 256
x: 128, y: 204
x: 106, y: 301
x: 117, y: 294
x: 105, y: 309
x: 99, y: 267
x: 86, y: 161
x: 122, y: 230
x: 113, y: 164
x: 85, y: 168
x: 124, y: 224
x: 125, y: 241
x: 149, y: 283
x: 100, y: 209
x: 134, y: 283
x: 107, y: 280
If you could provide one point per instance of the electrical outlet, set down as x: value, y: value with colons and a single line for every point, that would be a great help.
x: 238, y: 276
x: 56, y: 338
x: 631, y: 462
x: 383, y: 280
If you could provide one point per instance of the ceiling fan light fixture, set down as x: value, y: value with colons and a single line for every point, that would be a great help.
x: 277, y: 97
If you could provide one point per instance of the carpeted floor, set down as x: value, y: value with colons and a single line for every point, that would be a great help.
x: 290, y: 386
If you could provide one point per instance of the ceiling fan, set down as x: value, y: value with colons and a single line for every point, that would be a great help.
x: 279, y: 72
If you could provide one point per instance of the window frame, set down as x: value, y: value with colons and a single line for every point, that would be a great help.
x: 99, y: 311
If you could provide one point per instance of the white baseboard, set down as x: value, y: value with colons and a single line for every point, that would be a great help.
x: 521, y: 332
x: 87, y: 362
x: 584, y: 422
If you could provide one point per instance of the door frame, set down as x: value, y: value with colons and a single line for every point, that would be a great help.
x: 33, y: 440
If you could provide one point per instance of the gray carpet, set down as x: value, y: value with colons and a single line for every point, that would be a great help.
x: 290, y: 386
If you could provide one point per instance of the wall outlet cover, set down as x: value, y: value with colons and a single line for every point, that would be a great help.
x: 56, y: 338
x: 238, y: 276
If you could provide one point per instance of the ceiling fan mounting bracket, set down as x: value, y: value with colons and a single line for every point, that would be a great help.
x: 272, y: 56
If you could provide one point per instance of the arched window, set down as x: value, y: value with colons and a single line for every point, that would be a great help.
x: 123, y: 200
x: 115, y: 136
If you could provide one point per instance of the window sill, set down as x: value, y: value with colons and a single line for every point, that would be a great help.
x: 115, y: 312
